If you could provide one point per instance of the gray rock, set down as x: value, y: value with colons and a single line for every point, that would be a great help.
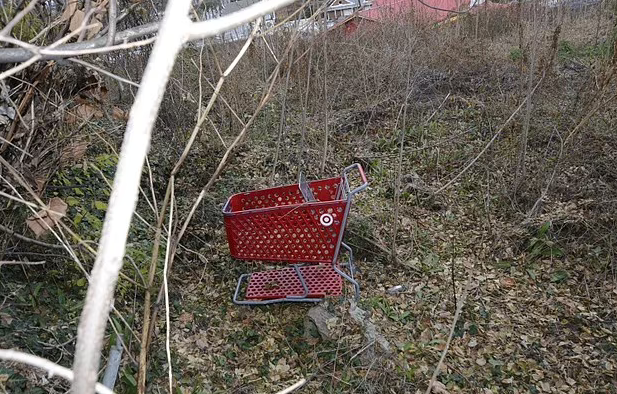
x: 320, y: 316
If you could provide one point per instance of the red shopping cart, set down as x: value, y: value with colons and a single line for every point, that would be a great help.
x: 302, y: 225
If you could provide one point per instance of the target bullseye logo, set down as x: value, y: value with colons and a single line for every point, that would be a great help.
x: 326, y: 220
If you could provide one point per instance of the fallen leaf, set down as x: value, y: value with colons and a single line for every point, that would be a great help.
x: 40, y: 182
x: 76, y: 20
x: 95, y: 27
x: 481, y: 361
x: 185, y: 318
x: 279, y: 370
x: 507, y: 282
x: 559, y: 276
x: 439, y: 388
x: 119, y: 114
x: 6, y: 319
x: 83, y: 112
x: 70, y: 9
x: 100, y: 205
x: 87, y: 111
x: 73, y: 152
x: 48, y: 217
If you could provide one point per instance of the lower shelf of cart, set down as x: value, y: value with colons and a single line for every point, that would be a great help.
x: 321, y: 281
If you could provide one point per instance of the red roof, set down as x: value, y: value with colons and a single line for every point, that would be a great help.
x: 391, y: 9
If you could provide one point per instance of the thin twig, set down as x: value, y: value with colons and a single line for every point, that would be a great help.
x: 143, y: 353
x: 443, y: 9
x: 166, y: 286
x: 21, y: 263
x: 23, y: 152
x: 293, y: 387
x: 198, y: 30
x: 60, y: 53
x: 326, y: 104
x: 156, y: 210
x: 16, y: 55
x: 399, y: 168
x: 30, y: 240
x: 217, y: 89
x: 30, y: 135
x: 37, y: 53
x: 534, y: 210
x: 102, y: 71
x: 6, y: 31
x: 586, y: 118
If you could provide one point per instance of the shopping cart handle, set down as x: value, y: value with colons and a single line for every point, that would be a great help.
x: 364, y: 184
x: 226, y: 207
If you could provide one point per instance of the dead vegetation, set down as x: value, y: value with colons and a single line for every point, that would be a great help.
x: 535, y: 258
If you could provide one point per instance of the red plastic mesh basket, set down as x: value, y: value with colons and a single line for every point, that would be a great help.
x: 321, y: 281
x: 278, y: 225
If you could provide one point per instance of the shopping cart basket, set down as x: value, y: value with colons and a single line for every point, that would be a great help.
x: 301, y: 225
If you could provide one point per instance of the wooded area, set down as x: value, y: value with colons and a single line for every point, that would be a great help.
x: 484, y: 243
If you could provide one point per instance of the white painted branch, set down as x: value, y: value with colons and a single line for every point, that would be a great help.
x: 216, y: 26
x: 41, y: 363
x: 174, y: 29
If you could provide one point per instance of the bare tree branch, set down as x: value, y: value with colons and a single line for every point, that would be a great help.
x: 26, y: 239
x: 198, y: 30
x: 87, y: 5
x: 113, y: 12
x: 213, y: 27
x: 51, y: 367
x: 16, y: 55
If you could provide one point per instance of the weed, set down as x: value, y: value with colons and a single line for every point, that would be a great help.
x: 540, y: 246
x: 569, y: 51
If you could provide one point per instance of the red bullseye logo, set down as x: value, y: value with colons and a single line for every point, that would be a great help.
x: 326, y: 220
